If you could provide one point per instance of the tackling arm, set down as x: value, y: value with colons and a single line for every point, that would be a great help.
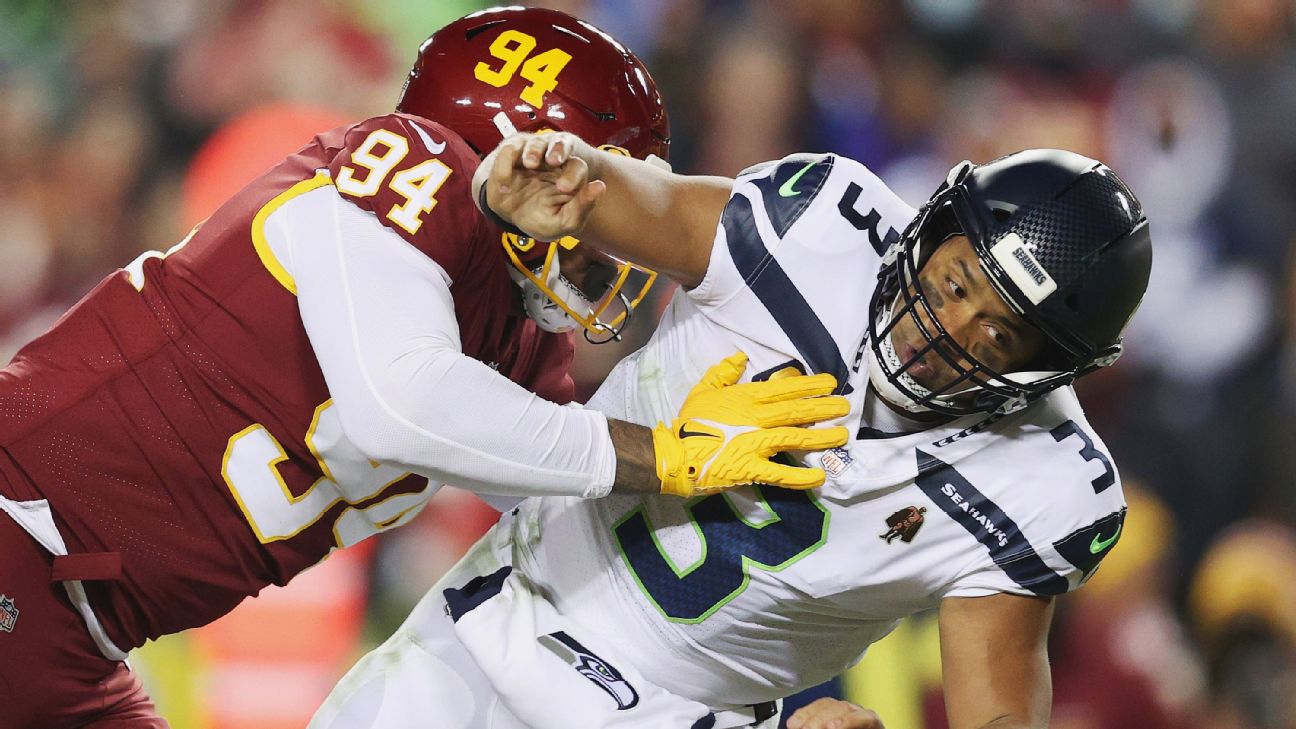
x: 994, y: 657
x: 380, y: 317
x: 555, y: 184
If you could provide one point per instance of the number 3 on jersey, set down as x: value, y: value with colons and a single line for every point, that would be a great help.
x: 418, y: 184
x: 1088, y: 452
x: 733, y: 543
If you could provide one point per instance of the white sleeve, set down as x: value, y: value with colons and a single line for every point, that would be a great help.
x: 754, y: 221
x: 1035, y: 541
x: 380, y: 317
x: 819, y: 207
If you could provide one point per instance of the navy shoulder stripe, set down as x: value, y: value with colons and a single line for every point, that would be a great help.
x: 983, y: 519
x: 793, y: 186
x: 770, y: 283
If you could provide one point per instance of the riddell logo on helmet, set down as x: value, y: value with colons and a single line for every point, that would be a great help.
x: 1023, y: 268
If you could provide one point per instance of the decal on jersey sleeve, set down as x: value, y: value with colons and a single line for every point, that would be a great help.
x: 985, y: 521
x: 776, y: 292
x: 793, y: 186
x: 598, y: 670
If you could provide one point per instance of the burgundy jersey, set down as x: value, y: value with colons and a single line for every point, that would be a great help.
x: 177, y: 417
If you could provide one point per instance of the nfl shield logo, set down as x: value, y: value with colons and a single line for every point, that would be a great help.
x: 835, y: 461
x: 8, y: 614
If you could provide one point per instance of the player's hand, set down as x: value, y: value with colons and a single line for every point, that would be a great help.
x: 726, y: 433
x: 541, y: 183
x: 827, y: 713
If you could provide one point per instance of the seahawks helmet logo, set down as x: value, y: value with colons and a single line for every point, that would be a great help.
x: 598, y: 671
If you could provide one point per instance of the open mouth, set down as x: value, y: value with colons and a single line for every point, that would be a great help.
x: 919, y: 368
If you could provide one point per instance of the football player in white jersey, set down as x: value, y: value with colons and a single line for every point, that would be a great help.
x: 973, y: 484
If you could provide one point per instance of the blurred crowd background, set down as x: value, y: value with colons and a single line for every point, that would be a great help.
x: 124, y: 122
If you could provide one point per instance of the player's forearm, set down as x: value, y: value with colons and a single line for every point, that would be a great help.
x: 381, y: 320
x: 994, y: 661
x: 453, y: 419
x: 504, y: 441
x: 654, y: 217
x: 547, y: 186
x: 636, y: 468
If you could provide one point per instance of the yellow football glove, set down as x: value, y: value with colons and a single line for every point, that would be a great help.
x: 725, y: 433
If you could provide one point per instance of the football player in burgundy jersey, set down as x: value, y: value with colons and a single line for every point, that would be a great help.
x: 312, y: 361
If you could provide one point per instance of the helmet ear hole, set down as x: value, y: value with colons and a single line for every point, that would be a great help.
x: 471, y: 32
x: 1000, y: 215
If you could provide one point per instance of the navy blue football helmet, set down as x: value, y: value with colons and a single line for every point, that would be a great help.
x: 1061, y: 239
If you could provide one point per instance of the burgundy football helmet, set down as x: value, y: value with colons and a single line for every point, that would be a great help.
x: 503, y: 70
x: 531, y: 69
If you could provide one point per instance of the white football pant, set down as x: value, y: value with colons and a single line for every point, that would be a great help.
x: 483, y: 651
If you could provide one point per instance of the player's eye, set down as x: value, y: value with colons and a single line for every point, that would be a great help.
x: 999, y: 337
x: 955, y: 290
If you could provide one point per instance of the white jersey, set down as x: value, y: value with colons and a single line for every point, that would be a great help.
x: 751, y: 595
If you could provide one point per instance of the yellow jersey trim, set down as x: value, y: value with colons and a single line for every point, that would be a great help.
x: 259, y: 241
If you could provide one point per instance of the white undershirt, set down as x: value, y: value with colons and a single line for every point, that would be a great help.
x: 381, y: 320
